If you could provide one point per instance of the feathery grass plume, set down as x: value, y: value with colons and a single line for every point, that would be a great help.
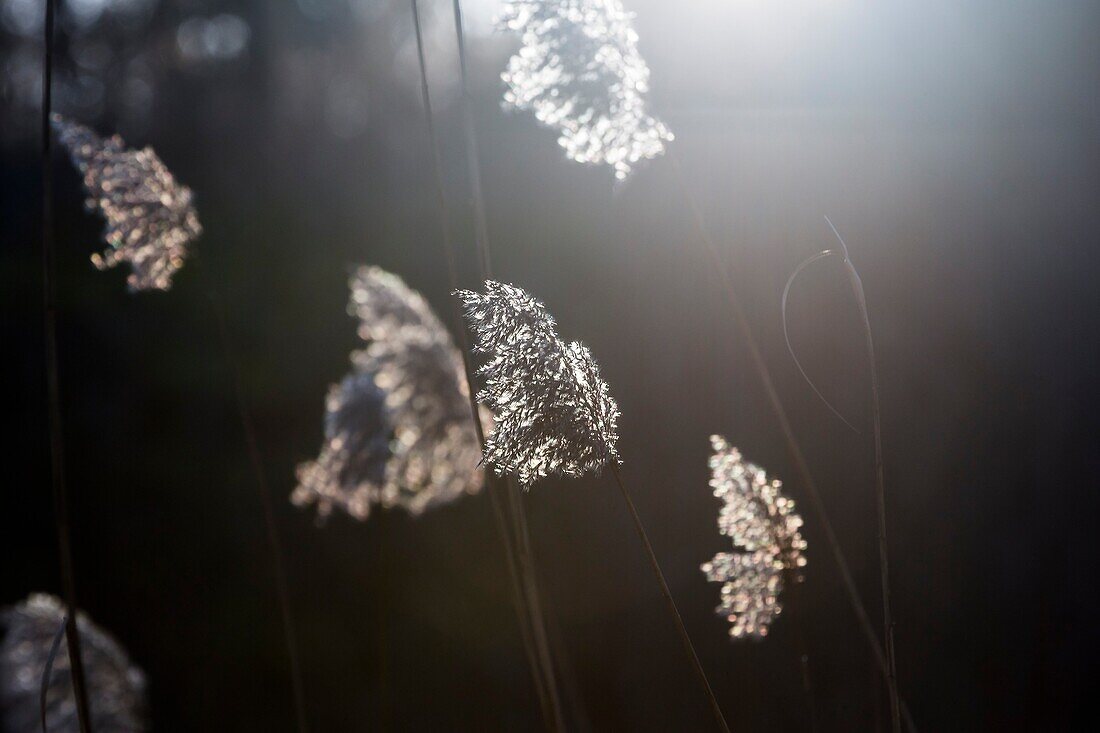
x: 764, y: 527
x: 580, y: 72
x: 553, y: 412
x: 150, y: 217
x: 116, y: 688
x: 397, y: 429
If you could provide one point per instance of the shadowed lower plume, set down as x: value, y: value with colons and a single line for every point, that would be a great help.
x: 150, y: 217
x: 764, y: 529
x: 398, y: 431
x: 116, y: 688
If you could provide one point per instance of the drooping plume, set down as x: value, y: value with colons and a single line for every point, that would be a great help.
x: 579, y: 72
x: 764, y: 529
x: 150, y: 217
x: 553, y: 412
x: 116, y: 688
x: 398, y: 430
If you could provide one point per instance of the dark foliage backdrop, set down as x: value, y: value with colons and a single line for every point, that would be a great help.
x: 954, y: 146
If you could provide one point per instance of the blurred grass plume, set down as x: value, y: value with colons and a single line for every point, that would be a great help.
x: 397, y: 429
x: 151, y: 219
x: 764, y: 529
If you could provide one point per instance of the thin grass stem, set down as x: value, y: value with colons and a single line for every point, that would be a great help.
x: 685, y: 639
x: 473, y: 154
x: 53, y: 389
x: 274, y: 541
x: 798, y: 610
x: 47, y: 672
x: 880, y: 486
x: 534, y: 603
x: 497, y: 492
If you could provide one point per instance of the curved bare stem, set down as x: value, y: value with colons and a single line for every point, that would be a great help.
x: 880, y: 486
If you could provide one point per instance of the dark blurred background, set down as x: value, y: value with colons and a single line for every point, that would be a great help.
x: 955, y: 147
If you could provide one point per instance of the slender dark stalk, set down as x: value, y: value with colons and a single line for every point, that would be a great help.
x: 791, y: 581
x: 808, y: 689
x: 481, y: 239
x: 437, y: 170
x: 570, y: 693
x: 689, y: 648
x: 876, y: 699
x: 53, y: 389
x: 497, y: 492
x: 274, y: 541
x: 880, y: 486
x: 473, y: 155
x: 47, y: 672
x: 382, y: 713
x: 793, y: 447
x: 542, y: 677
x: 525, y: 555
